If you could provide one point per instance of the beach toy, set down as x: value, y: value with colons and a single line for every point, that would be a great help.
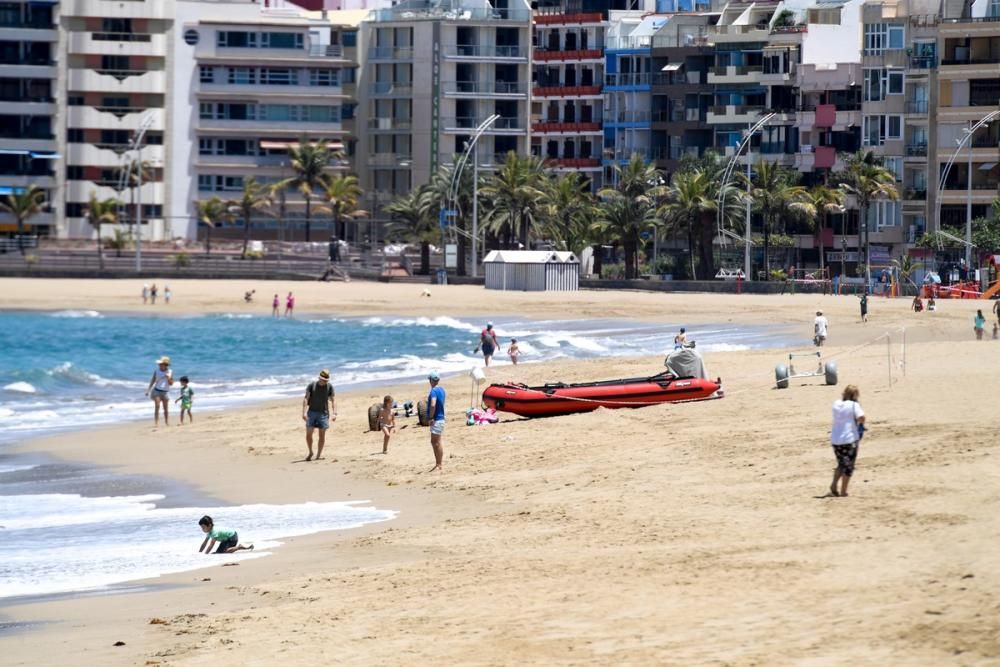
x: 783, y: 373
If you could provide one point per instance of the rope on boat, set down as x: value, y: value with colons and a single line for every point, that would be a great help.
x: 714, y: 396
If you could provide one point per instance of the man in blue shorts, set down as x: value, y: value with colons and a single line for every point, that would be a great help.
x: 488, y: 342
x: 319, y: 408
x: 435, y: 412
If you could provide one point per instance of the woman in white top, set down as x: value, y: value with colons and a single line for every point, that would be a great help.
x: 848, y: 429
x: 159, y: 388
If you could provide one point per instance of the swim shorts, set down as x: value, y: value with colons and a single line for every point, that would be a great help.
x: 158, y: 395
x: 437, y: 427
x: 317, y: 419
x: 488, y: 350
x: 846, y: 456
x: 228, y: 544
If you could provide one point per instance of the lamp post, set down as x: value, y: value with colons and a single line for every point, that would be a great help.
x: 140, y: 135
x: 966, y: 138
x: 456, y: 184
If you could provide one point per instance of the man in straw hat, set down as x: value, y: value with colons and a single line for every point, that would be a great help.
x: 159, y: 388
x: 319, y: 408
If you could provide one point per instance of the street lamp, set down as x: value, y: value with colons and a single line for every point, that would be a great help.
x: 140, y: 135
x: 471, y: 147
x: 967, y: 132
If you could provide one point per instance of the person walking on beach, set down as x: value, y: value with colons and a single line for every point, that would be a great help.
x: 186, y: 399
x: 864, y: 307
x: 820, y: 329
x: 845, y: 436
x: 289, y: 304
x: 487, y: 343
x: 319, y: 408
x: 145, y: 293
x: 514, y: 352
x: 386, y: 422
x: 152, y: 295
x: 979, y: 324
x: 167, y: 294
x: 159, y: 388
x: 680, y: 339
x: 229, y: 540
x: 435, y: 409
x: 996, y: 309
x: 275, y: 307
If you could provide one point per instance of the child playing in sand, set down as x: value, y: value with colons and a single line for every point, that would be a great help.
x: 229, y: 541
x: 386, y: 422
x: 186, y: 398
x: 513, y: 351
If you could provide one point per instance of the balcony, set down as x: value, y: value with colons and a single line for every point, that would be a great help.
x: 739, y: 33
x: 117, y: 8
x: 391, y: 89
x: 389, y: 124
x: 485, y: 88
x: 691, y: 78
x: 462, y: 124
x: 487, y: 52
x: 432, y: 10
x: 733, y: 113
x: 915, y: 194
x: 567, y: 91
x: 117, y: 81
x: 628, y: 80
x: 637, y: 117
x: 569, y: 163
x: 557, y: 17
x: 922, y: 62
x: 678, y: 116
x: 917, y: 107
x: 152, y: 193
x: 113, y: 118
x: 118, y: 44
x: 389, y: 160
x: 556, y: 127
x: 735, y: 74
x: 541, y: 55
x: 916, y: 150
x: 377, y: 53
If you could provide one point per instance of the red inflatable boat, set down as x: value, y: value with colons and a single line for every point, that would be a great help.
x: 563, y: 399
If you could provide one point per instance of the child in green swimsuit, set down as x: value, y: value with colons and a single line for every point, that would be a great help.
x: 187, y: 397
x: 229, y: 541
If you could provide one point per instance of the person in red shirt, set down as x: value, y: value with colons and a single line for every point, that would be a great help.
x: 488, y: 342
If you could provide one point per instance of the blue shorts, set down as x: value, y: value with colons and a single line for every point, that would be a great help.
x: 316, y: 419
x: 437, y: 427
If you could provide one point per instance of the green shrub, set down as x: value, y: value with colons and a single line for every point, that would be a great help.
x: 255, y: 254
x: 613, y: 271
x: 31, y: 260
x: 182, y: 260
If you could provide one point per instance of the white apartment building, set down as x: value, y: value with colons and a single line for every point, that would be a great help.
x: 29, y: 79
x: 434, y: 71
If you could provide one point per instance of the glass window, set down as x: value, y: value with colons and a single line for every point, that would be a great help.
x: 323, y: 77
x: 242, y: 75
x: 896, y: 37
x: 236, y: 39
x: 205, y: 146
x: 205, y: 183
x: 350, y: 38
x: 206, y: 110
x: 206, y: 74
x: 894, y: 127
x: 875, y: 38
x: 874, y: 89
x: 277, y: 77
x: 895, y: 85
x: 282, y: 40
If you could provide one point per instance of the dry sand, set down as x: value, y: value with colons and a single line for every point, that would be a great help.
x: 676, y: 534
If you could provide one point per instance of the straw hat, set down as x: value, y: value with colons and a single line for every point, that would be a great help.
x: 324, y: 375
x: 163, y: 360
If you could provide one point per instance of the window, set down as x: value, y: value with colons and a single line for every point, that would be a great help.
x: 152, y: 211
x: 347, y: 111
x: 74, y: 135
x: 880, y: 37
x: 241, y: 75
x: 896, y: 37
x: 323, y: 77
x: 115, y: 102
x: 895, y: 165
x: 206, y: 146
x: 206, y: 74
x: 277, y: 77
x: 236, y: 39
x: 205, y: 183
x: 116, y: 25
x: 74, y: 100
x: 114, y: 63
x: 226, y: 111
x: 74, y: 172
x: 895, y: 82
x: 876, y: 129
x: 894, y: 127
x: 282, y: 40
x: 350, y: 38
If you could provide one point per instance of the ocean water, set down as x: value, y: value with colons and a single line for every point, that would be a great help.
x: 65, y: 527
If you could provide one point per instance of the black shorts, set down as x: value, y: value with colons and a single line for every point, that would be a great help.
x: 488, y: 350
x: 846, y: 456
x: 228, y: 544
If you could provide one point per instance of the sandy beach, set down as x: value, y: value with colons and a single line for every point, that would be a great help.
x: 684, y: 534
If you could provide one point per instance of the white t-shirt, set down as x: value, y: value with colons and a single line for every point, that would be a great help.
x: 162, y: 382
x: 820, y: 326
x: 845, y: 422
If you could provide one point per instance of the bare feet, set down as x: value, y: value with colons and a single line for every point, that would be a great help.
x: 319, y: 458
x: 833, y: 492
x: 438, y: 468
x: 310, y: 457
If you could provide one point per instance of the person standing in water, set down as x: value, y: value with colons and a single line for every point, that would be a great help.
x: 319, y: 408
x: 435, y: 412
x: 680, y: 339
x: 159, y: 389
x: 488, y: 343
x: 514, y: 352
x: 289, y: 305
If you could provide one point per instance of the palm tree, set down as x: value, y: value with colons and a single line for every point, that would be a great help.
x: 567, y: 210
x: 414, y: 220
x: 255, y: 197
x: 819, y: 203
x: 866, y: 179
x: 23, y: 206
x: 630, y: 208
x: 777, y: 197
x: 128, y: 177
x: 692, y: 204
x: 440, y: 189
x: 212, y: 212
x: 511, y: 193
x: 101, y: 212
x: 342, y: 193
x: 309, y: 161
x: 906, y: 266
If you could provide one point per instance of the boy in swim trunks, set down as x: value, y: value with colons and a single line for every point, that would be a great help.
x: 187, y: 397
x: 229, y: 540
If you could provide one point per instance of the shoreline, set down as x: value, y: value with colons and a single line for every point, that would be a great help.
x: 680, y: 534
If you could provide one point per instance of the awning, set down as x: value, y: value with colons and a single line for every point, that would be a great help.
x: 13, y: 151
x: 672, y: 67
x: 278, y: 145
x: 46, y: 156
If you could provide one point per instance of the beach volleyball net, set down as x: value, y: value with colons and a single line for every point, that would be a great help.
x: 813, y: 280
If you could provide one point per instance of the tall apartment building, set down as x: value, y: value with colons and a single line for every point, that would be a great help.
x: 114, y: 56
x: 567, y: 111
x: 28, y: 113
x: 248, y: 84
x: 968, y: 90
x: 628, y: 86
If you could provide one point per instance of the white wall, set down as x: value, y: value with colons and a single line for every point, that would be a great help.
x: 834, y: 43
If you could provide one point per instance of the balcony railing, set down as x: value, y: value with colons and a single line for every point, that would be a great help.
x: 472, y: 122
x: 428, y: 10
x: 579, y: 54
x: 628, y: 79
x: 916, y: 106
x: 326, y: 50
x: 628, y: 117
x: 566, y: 127
x: 573, y: 162
x: 488, y: 51
x: 566, y: 91
x: 121, y: 36
x: 916, y: 150
x: 14, y: 133
x: 122, y: 74
x: 913, y: 194
x: 486, y: 87
x: 392, y: 88
x: 736, y: 109
x: 980, y: 19
x: 923, y: 62
x: 969, y: 61
x: 740, y: 70
x: 987, y: 185
x: 389, y: 123
x: 986, y: 142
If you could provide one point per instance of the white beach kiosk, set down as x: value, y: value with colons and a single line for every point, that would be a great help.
x: 532, y: 270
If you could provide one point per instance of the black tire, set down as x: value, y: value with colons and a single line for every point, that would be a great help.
x: 373, y: 413
x: 830, y: 371
x: 781, y: 376
x: 423, y: 418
